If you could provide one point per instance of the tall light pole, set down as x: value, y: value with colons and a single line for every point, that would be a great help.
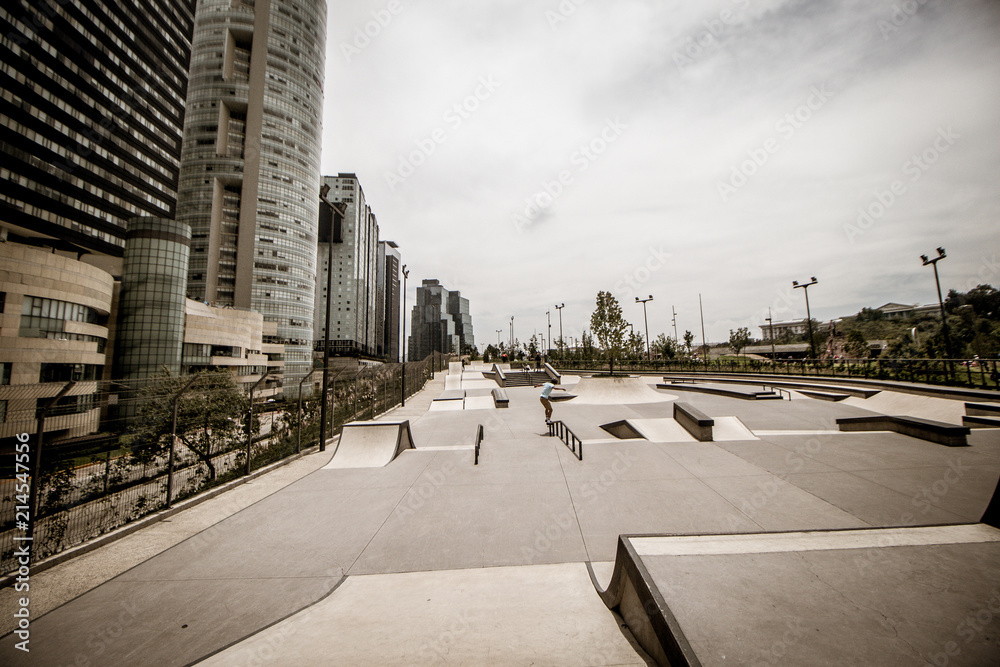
x: 512, y: 335
x: 771, y: 326
x: 675, y: 323
x: 805, y: 288
x: 499, y: 331
x: 644, y: 319
x: 402, y: 399
x: 338, y: 210
x: 559, y: 307
x: 704, y: 343
x: 944, y: 321
x: 548, y: 316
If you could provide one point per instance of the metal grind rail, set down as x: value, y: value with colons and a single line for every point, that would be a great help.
x: 560, y: 430
x: 479, y: 442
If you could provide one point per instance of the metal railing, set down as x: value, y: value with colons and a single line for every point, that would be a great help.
x: 561, y: 431
x: 971, y: 373
x: 479, y: 441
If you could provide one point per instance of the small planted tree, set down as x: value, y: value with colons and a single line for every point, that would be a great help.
x: 609, y: 327
x: 688, y: 341
x: 739, y: 339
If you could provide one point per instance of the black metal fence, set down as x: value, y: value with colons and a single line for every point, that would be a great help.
x: 973, y: 373
x: 111, y: 453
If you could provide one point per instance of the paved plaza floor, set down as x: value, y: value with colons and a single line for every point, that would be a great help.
x: 432, y: 559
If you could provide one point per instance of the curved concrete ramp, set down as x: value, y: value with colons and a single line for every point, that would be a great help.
x: 371, y: 444
x: 618, y: 390
x: 854, y: 596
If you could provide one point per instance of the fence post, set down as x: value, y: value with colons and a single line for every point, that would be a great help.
x: 36, y: 472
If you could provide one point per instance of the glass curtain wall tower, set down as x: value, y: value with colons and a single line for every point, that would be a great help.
x: 250, y: 173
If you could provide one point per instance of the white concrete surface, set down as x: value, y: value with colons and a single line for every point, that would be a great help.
x: 704, y: 545
x: 731, y: 428
x: 617, y: 391
x: 527, y: 615
x: 661, y: 430
x: 925, y: 407
x: 370, y: 444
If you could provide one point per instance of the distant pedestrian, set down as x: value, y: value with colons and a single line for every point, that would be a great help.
x: 544, y: 398
x: 538, y: 361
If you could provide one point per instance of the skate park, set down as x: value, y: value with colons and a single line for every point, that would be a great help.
x: 681, y: 527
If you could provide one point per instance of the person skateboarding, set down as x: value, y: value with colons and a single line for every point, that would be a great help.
x: 546, y: 403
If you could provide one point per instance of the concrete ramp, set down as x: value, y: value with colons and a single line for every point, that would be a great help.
x: 835, y: 597
x: 455, y: 368
x: 371, y: 444
x: 731, y: 428
x: 617, y: 390
x: 653, y: 430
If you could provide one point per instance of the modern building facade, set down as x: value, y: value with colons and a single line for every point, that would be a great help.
x: 250, y: 171
x: 54, y: 316
x: 439, y: 322
x: 354, y: 281
x: 150, y: 332
x: 388, y: 295
x: 91, y: 118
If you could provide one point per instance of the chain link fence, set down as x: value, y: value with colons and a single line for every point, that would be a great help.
x: 113, y: 452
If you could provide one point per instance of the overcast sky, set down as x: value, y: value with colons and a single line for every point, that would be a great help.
x: 533, y: 152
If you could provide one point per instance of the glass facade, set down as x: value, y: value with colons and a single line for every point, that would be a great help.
x: 151, y: 303
x: 249, y: 185
x: 91, y: 112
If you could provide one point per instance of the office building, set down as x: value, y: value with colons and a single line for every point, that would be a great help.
x: 90, y: 119
x: 354, y: 245
x: 439, y: 322
x: 389, y: 295
x: 250, y: 174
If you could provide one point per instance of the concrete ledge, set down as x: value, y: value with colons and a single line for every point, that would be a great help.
x: 977, y: 421
x: 747, y: 395
x: 694, y: 421
x: 924, y: 429
x: 823, y: 395
x: 983, y: 409
x: 500, y: 399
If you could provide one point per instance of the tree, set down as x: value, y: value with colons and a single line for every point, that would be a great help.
x: 739, y: 339
x: 609, y: 327
x: 664, y: 346
x: 856, y: 345
x: 211, y: 417
x: 688, y: 341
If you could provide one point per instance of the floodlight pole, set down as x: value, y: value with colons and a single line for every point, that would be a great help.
x: 809, y: 322
x: 559, y: 307
x: 646, y: 321
x: 944, y: 319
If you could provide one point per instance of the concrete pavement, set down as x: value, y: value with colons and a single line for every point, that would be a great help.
x: 334, y: 563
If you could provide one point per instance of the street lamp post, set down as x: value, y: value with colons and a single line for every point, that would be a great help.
x: 402, y: 399
x: 559, y: 307
x: 512, y: 335
x: 770, y: 324
x: 944, y: 320
x: 675, y: 323
x: 646, y: 321
x: 548, y: 316
x: 805, y: 288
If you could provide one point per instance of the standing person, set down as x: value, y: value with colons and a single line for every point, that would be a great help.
x: 538, y: 361
x: 544, y: 398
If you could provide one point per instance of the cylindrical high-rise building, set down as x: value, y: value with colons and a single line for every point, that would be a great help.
x: 151, y: 304
x: 250, y: 172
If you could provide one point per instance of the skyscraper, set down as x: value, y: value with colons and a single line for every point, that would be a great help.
x: 440, y: 322
x: 90, y: 118
x: 355, y: 257
x: 250, y: 175
x: 389, y: 262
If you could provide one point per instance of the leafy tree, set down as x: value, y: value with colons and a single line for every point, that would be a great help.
x: 739, y: 339
x: 856, y: 345
x: 211, y: 417
x: 688, y: 341
x: 664, y: 346
x: 609, y: 327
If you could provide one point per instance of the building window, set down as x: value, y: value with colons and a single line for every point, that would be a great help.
x: 5, y: 372
x: 3, y: 300
x: 3, y: 412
